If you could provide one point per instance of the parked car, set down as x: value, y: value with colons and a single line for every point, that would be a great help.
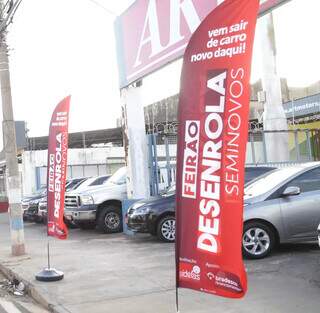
x: 30, y: 205
x: 100, y: 206
x: 78, y: 184
x: 42, y: 209
x: 157, y: 214
x: 281, y: 207
x: 318, y: 230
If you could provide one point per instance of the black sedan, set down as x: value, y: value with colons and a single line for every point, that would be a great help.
x: 157, y: 214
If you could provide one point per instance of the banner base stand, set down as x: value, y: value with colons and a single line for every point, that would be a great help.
x: 49, y: 275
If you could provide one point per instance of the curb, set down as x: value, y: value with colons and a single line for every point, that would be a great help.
x: 33, y: 292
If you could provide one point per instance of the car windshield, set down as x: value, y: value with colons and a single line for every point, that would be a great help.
x: 93, y: 181
x: 119, y: 177
x: 86, y: 183
x: 76, y: 186
x: 100, y: 180
x: 269, y: 181
x: 170, y: 191
x: 74, y: 182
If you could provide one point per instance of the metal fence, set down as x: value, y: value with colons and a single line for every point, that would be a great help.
x: 162, y: 161
x: 303, y: 145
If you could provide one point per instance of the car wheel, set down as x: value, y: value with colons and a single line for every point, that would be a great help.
x: 166, y: 230
x: 258, y: 240
x: 110, y: 220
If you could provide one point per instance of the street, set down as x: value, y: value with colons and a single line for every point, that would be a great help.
x: 116, y: 273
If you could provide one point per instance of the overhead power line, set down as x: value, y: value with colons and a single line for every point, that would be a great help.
x: 8, y: 11
x: 103, y: 7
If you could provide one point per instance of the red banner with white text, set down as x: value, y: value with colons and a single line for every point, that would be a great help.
x: 213, y: 126
x: 57, y: 169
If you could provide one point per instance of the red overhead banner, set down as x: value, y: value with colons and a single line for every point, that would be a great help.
x: 57, y: 169
x: 213, y: 127
x: 152, y: 33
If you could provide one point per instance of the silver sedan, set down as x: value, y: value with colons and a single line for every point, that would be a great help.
x: 282, y: 206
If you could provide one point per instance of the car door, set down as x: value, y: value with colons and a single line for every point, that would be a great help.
x: 301, y: 213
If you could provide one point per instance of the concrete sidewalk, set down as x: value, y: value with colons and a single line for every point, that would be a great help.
x: 102, y: 272
x: 118, y: 274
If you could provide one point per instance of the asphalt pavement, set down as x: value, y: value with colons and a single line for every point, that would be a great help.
x: 121, y: 274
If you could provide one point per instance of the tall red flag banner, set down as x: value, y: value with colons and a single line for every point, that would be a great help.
x: 213, y: 127
x: 57, y: 169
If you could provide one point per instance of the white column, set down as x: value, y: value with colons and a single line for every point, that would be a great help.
x: 135, y: 142
x: 273, y: 117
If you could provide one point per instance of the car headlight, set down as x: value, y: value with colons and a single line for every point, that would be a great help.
x: 86, y: 200
x: 137, y: 205
x: 142, y: 210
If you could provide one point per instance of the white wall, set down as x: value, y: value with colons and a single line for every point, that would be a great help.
x: 111, y: 157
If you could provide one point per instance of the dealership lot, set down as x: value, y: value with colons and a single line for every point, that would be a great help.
x: 116, y: 273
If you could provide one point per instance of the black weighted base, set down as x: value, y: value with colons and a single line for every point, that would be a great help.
x: 49, y: 274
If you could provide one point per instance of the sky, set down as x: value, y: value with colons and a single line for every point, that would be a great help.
x: 62, y: 47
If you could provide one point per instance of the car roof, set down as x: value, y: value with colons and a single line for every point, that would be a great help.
x: 272, y: 179
x: 307, y: 164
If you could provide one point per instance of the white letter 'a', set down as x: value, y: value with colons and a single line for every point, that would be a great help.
x: 190, y: 15
x: 154, y: 37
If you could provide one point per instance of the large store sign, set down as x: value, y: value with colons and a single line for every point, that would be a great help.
x: 152, y: 33
x: 213, y: 118
x: 302, y: 107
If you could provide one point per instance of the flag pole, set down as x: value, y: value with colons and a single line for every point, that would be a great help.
x: 49, y: 274
x: 48, y: 247
x: 177, y: 299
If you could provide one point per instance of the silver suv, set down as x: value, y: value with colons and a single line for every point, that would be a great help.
x: 99, y: 207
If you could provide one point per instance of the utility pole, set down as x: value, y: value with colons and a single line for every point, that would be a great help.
x: 7, y: 10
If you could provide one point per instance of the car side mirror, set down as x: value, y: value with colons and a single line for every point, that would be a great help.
x: 291, y: 191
